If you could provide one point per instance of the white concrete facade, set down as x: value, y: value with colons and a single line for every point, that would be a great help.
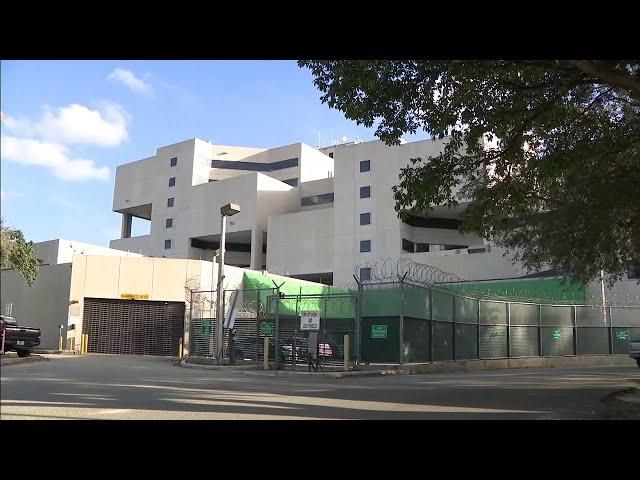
x: 304, y: 203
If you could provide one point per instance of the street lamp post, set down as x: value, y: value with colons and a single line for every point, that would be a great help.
x: 228, y: 210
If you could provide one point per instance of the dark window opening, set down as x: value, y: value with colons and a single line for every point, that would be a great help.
x: 292, y: 181
x: 317, y: 199
x: 365, y: 274
x: 167, y: 244
x: 172, y: 181
x: 365, y: 246
x: 228, y: 246
x: 169, y: 202
x: 255, y: 166
x: 632, y: 272
x: 408, y: 246
x: 365, y: 219
x: 365, y: 192
x: 365, y: 165
x: 433, y: 222
x: 422, y: 247
x: 168, y: 223
x: 174, y: 161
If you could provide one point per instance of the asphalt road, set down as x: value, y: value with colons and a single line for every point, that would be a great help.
x: 120, y: 387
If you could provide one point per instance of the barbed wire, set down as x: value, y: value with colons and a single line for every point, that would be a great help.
x: 393, y: 269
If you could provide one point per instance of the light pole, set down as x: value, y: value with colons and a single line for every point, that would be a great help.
x: 228, y: 210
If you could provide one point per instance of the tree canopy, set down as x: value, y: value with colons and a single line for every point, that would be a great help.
x: 16, y: 252
x: 546, y: 152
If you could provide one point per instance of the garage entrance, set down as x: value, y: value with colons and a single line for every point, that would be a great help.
x: 133, y: 327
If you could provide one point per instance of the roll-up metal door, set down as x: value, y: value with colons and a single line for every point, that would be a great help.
x: 133, y: 327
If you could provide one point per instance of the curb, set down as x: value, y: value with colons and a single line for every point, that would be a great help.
x: 463, y: 366
x: 196, y: 366
x: 21, y: 361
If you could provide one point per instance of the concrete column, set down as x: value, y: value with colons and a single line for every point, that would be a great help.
x: 256, y: 249
x: 126, y: 226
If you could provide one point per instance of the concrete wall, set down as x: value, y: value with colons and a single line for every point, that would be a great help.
x: 161, y: 279
x: 301, y: 243
x: 140, y: 245
x: 45, y: 305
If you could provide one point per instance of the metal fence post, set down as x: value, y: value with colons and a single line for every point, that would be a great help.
x: 453, y: 315
x: 187, y: 328
x: 257, y: 325
x: 575, y: 330
x: 540, y: 352
x: 610, y: 329
x: 478, y: 331
x: 431, y: 324
x: 359, y: 301
x: 401, y: 325
x: 508, y: 329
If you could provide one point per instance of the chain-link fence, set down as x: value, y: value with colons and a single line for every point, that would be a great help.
x: 400, y: 322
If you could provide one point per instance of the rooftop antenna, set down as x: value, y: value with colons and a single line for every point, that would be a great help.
x: 344, y: 139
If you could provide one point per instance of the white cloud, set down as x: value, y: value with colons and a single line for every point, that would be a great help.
x: 128, y: 78
x: 75, y: 124
x: 29, y: 151
x: 10, y: 193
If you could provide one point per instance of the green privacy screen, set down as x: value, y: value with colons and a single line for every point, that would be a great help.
x: 333, y: 302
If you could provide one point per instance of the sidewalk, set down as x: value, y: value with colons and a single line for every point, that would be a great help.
x: 624, y: 404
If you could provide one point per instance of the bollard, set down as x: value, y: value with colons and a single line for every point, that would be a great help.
x: 82, y: 344
x: 85, y: 337
x: 180, y: 348
x: 346, y: 352
x: 266, y: 353
x: 60, y: 343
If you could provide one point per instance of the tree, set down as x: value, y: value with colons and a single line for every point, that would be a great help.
x: 546, y: 152
x: 16, y: 252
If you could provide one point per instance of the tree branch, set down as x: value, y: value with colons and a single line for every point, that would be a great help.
x: 617, y: 78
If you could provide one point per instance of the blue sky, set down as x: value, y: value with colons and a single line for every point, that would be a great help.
x: 66, y: 125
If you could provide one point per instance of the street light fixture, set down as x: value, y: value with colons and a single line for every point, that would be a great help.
x: 228, y: 210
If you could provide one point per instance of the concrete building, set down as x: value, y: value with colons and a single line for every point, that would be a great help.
x: 315, y: 214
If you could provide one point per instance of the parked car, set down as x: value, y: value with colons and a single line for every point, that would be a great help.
x: 18, y: 338
x: 634, y: 350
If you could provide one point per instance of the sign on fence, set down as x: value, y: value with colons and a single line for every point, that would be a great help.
x: 622, y: 335
x: 310, y: 321
x: 206, y: 327
x: 378, y: 331
x: 556, y: 334
x: 266, y: 329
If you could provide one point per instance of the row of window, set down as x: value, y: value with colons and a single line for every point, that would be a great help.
x: 365, y: 218
x: 411, y: 247
x: 255, y: 166
x: 172, y: 183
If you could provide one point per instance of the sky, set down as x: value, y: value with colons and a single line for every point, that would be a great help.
x: 66, y: 125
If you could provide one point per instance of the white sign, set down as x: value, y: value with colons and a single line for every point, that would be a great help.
x: 309, y: 320
x: 234, y: 304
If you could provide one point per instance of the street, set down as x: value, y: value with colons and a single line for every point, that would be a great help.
x: 129, y: 387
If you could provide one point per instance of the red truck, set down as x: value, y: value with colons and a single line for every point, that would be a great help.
x: 17, y: 337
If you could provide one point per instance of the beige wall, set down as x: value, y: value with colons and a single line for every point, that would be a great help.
x: 161, y: 279
x: 45, y: 305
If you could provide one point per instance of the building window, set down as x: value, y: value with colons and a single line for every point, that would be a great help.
x: 316, y: 199
x: 408, y: 246
x: 365, y: 219
x: 365, y: 274
x: 167, y: 244
x: 330, y: 154
x: 292, y: 181
x: 365, y: 192
x: 632, y: 272
x: 365, y: 165
x: 365, y: 246
x: 255, y: 166
x: 168, y: 223
x: 422, y: 247
x: 174, y: 161
x: 170, y: 202
x: 172, y: 181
